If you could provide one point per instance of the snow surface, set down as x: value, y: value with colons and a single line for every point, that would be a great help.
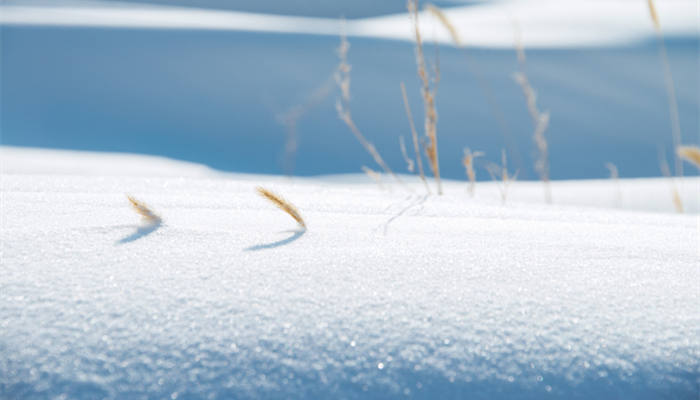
x: 389, y: 294
x: 545, y: 23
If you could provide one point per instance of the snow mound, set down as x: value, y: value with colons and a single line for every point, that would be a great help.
x: 387, y: 295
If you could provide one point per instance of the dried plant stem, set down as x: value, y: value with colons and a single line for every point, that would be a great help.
x: 540, y: 119
x: 282, y: 204
x: 670, y: 87
x: 468, y: 162
x: 541, y: 122
x: 428, y: 95
x: 414, y: 135
x: 342, y: 78
x: 147, y: 215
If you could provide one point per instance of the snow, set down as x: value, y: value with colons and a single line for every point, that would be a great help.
x: 389, y: 294
x: 545, y: 23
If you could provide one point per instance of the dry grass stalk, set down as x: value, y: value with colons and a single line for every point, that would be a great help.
x: 670, y: 87
x: 342, y: 78
x: 540, y: 119
x: 147, y: 215
x: 414, y: 134
x: 282, y: 204
x: 437, y: 12
x: 690, y: 154
x: 409, y: 161
x: 615, y: 177
x: 468, y: 162
x: 428, y: 94
x: 500, y: 174
x: 666, y: 171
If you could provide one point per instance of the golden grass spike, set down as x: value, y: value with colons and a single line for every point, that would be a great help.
x: 282, y: 204
x: 144, y: 211
x: 690, y: 154
x: 437, y: 12
x: 654, y: 15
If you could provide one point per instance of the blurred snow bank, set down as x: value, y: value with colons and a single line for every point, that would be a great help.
x: 544, y: 23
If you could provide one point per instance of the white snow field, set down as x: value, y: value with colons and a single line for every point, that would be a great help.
x: 548, y: 23
x: 388, y: 294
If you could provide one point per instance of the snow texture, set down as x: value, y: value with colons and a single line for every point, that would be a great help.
x: 389, y: 294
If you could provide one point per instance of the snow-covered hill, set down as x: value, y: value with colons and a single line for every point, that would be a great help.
x: 389, y: 294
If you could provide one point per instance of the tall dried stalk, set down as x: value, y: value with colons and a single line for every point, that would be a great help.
x: 414, y: 134
x: 468, y: 162
x: 342, y: 105
x: 540, y: 119
x: 428, y: 95
x: 670, y: 88
x: 500, y: 174
x: 282, y: 204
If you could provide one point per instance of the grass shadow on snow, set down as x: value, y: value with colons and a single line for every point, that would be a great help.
x: 140, y: 232
x: 296, y: 234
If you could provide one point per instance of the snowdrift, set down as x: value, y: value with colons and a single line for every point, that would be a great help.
x: 388, y: 294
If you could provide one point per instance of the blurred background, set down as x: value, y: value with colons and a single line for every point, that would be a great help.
x: 248, y: 86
